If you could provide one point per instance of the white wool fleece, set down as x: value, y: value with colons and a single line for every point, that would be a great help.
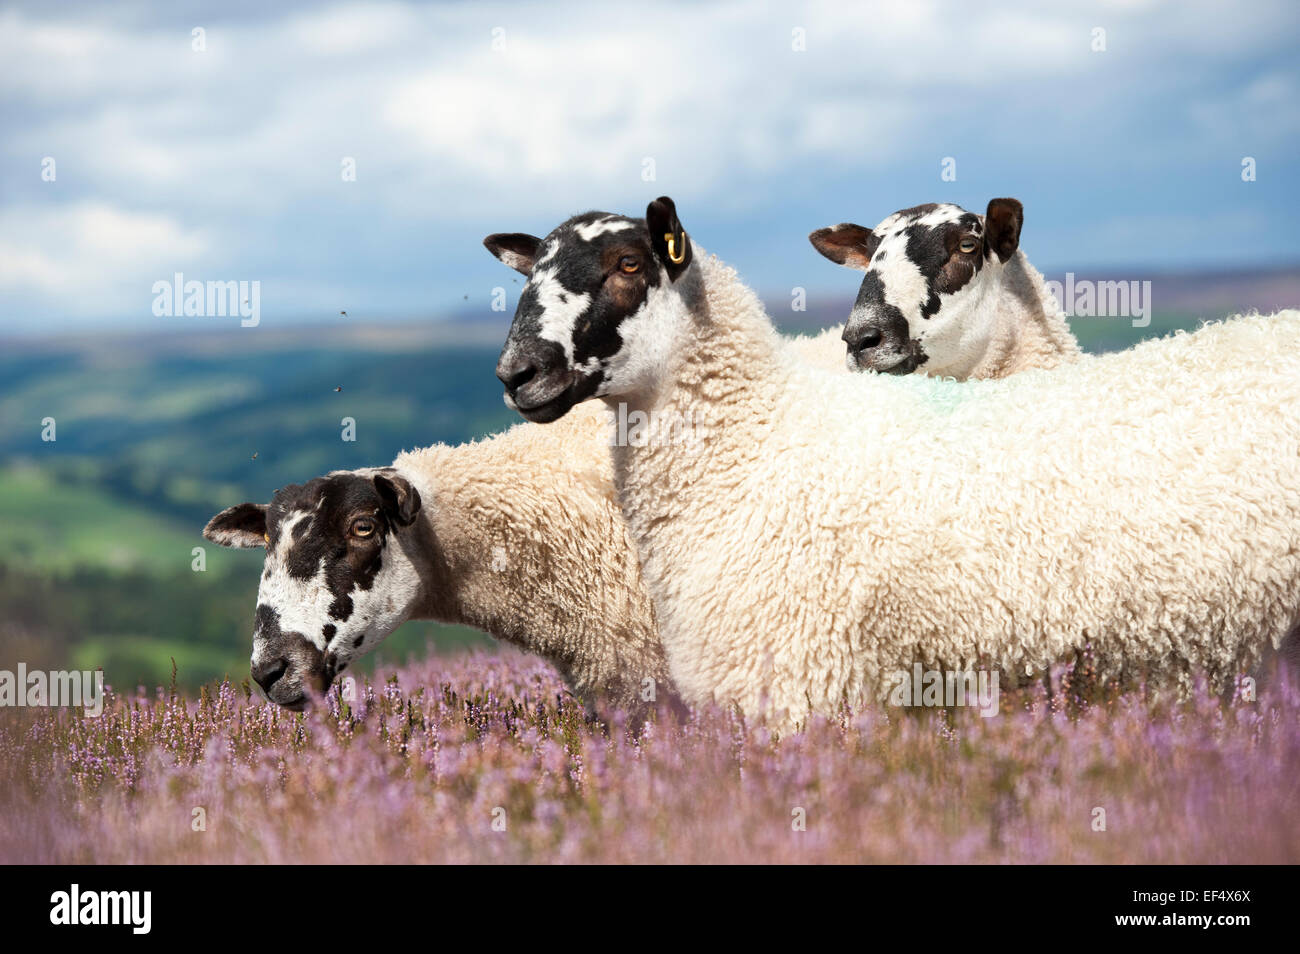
x: 1027, y: 329
x: 528, y: 544
x: 835, y: 529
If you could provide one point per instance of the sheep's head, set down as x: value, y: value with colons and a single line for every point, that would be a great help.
x: 581, y: 329
x: 928, y: 299
x: 337, y: 577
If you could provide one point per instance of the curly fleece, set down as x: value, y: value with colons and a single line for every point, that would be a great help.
x: 529, y: 546
x: 838, y: 528
x: 1031, y: 330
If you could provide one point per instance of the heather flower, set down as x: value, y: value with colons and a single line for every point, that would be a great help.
x: 423, y: 761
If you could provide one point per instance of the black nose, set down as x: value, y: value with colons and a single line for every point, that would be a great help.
x: 863, y: 340
x: 516, y: 372
x: 266, y: 674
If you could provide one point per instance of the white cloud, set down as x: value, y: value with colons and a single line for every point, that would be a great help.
x: 574, y: 101
x: 90, y: 257
x: 248, y: 135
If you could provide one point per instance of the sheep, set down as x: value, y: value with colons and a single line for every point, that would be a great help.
x: 949, y: 293
x: 517, y: 535
x: 837, y: 529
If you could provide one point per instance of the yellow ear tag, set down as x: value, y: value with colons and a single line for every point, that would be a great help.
x: 266, y: 537
x: 673, y: 255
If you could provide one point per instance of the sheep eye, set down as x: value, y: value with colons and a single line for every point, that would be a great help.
x: 969, y: 245
x: 629, y: 264
x: 362, y: 527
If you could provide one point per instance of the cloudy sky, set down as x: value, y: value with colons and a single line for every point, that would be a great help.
x: 226, y: 162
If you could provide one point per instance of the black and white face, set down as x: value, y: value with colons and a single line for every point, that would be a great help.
x: 593, y: 318
x: 928, y: 300
x: 337, y: 578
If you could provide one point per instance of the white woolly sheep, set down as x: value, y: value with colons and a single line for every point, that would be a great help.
x: 949, y: 293
x: 517, y: 535
x: 540, y: 499
x: 837, y: 529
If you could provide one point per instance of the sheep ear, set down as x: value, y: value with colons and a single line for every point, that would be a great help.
x: 661, y: 219
x: 401, y: 501
x: 516, y: 249
x: 1002, y: 224
x: 846, y: 244
x: 242, y: 527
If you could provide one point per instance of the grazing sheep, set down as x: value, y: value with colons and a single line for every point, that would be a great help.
x: 949, y: 293
x: 836, y: 529
x: 517, y: 535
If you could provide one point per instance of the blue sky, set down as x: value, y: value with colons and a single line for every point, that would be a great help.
x: 469, y: 118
